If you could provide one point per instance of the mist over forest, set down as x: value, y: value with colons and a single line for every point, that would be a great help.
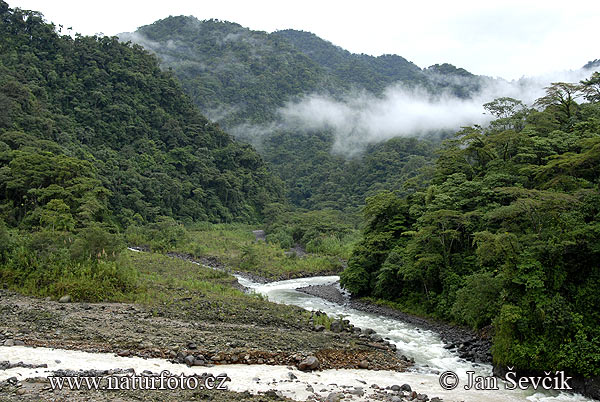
x: 160, y: 170
x: 360, y: 99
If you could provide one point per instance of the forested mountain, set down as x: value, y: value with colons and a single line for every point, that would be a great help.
x: 318, y: 179
x: 375, y: 74
x: 241, y: 78
x: 237, y: 75
x: 507, y: 234
x: 234, y: 74
x: 91, y: 130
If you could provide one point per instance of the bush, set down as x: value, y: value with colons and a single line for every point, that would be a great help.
x: 478, y: 301
x: 95, y: 243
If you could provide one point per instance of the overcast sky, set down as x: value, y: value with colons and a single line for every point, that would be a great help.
x: 505, y: 38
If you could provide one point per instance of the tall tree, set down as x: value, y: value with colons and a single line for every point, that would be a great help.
x: 562, y: 95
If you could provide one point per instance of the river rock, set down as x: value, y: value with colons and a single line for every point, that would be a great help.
x: 65, y: 299
x: 396, y: 399
x: 376, y: 338
x: 406, y: 387
x: 320, y: 328
x: 334, y: 397
x: 357, y: 391
x: 368, y: 331
x: 9, y: 342
x: 335, y: 326
x: 436, y: 399
x: 292, y: 376
x: 309, y: 364
x: 363, y: 364
x: 189, y: 360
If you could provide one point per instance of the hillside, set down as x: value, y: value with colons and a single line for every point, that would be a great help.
x: 505, y: 237
x: 242, y: 78
x: 92, y: 127
x: 234, y: 74
x: 237, y: 75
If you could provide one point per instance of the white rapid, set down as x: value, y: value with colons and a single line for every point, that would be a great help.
x: 424, y: 346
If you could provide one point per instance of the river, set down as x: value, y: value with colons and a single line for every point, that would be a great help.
x: 425, y: 347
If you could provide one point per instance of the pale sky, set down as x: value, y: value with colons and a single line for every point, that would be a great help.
x: 503, y: 38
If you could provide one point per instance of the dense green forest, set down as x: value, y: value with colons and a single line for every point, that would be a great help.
x: 318, y: 179
x: 104, y: 111
x: 94, y: 137
x: 241, y: 78
x: 496, y: 228
x: 506, y: 233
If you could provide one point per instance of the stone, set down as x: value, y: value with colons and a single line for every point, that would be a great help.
x: 20, y: 391
x: 292, y: 376
x: 65, y: 299
x: 357, y: 391
x: 396, y: 399
x: 320, y: 328
x: 422, y: 397
x: 363, y: 364
x: 19, y: 343
x: 189, y: 360
x: 368, y: 331
x: 308, y: 364
x: 191, y: 345
x: 406, y: 387
x: 395, y: 387
x: 336, y: 326
x: 334, y: 397
x: 9, y: 342
x: 436, y: 399
x: 376, y: 338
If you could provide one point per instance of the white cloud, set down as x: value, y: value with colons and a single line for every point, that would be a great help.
x: 361, y: 118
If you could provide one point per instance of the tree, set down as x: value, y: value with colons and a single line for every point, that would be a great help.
x: 56, y: 214
x: 590, y: 88
x: 510, y: 113
x: 562, y: 95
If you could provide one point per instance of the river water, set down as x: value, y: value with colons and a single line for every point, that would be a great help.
x: 425, y: 347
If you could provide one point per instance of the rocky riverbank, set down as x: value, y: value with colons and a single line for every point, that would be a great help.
x: 264, y: 383
x: 469, y: 345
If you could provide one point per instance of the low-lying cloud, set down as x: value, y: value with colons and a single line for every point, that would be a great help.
x: 361, y: 118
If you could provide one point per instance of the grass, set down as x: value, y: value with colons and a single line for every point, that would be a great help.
x: 196, y: 292
x: 235, y: 245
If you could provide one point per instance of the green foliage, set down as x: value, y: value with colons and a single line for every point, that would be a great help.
x: 325, y: 232
x: 241, y: 78
x: 506, y: 234
x: 318, y: 179
x: 94, y: 137
x: 94, y: 242
x: 162, y: 235
x: 94, y: 131
x: 478, y: 300
x: 42, y: 266
x: 236, y: 247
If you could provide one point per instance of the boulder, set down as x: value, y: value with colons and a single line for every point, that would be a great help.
x: 309, y: 364
x: 336, y: 326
